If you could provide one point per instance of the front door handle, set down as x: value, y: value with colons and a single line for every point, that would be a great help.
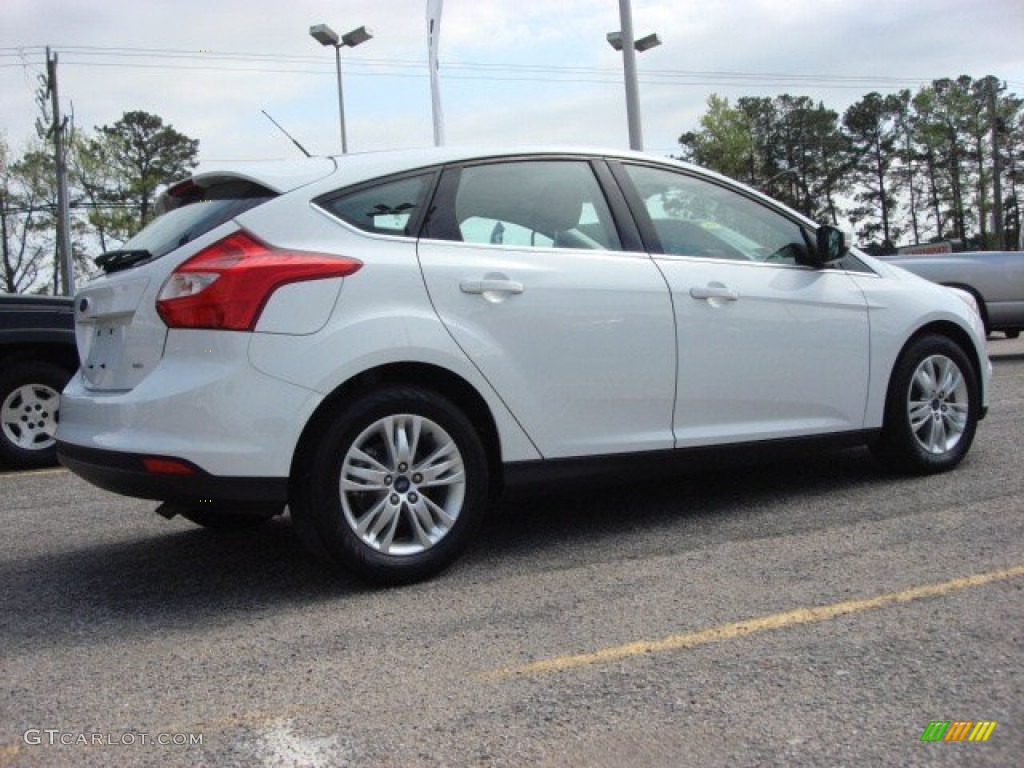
x: 714, y: 291
x: 491, y: 286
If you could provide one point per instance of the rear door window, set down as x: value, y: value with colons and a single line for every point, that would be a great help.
x: 539, y: 204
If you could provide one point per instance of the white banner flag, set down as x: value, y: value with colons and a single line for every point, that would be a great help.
x: 433, y: 39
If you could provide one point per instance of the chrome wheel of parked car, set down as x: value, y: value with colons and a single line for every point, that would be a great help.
x: 932, y: 408
x: 395, y: 486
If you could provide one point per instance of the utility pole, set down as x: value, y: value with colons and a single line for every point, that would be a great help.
x: 3, y: 235
x: 997, y: 165
x: 67, y: 278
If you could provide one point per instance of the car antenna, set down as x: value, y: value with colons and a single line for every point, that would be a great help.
x: 296, y: 143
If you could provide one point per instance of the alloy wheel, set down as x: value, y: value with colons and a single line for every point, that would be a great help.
x: 938, y: 404
x: 402, y: 484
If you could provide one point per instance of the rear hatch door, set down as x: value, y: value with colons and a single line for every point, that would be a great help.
x: 119, y: 334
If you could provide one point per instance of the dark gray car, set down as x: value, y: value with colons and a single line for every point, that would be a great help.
x: 37, y: 357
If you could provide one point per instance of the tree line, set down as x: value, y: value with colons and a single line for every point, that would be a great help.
x: 114, y: 172
x: 944, y: 163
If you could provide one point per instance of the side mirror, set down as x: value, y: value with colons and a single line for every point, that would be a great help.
x: 830, y: 245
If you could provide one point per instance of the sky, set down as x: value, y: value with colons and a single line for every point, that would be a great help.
x: 520, y: 72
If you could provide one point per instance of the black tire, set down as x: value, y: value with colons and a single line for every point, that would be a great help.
x: 418, y: 507
x: 931, y: 409
x: 29, y: 413
x: 1012, y: 334
x: 234, y: 518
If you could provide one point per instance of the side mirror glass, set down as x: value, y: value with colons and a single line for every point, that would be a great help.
x: 831, y: 244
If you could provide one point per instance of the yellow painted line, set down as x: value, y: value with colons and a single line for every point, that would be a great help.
x: 739, y: 629
x: 33, y: 472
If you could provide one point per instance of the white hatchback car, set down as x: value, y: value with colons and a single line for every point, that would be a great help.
x: 383, y: 341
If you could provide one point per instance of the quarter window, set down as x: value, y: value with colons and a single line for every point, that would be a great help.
x: 391, y: 208
x: 693, y: 217
x: 539, y: 204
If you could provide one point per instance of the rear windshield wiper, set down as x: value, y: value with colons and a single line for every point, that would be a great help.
x: 115, y: 261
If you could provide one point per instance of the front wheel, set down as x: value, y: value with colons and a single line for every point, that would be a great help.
x: 395, y: 486
x: 932, y: 408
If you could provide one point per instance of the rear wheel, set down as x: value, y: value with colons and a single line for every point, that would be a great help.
x: 395, y: 486
x: 932, y: 408
x: 29, y: 412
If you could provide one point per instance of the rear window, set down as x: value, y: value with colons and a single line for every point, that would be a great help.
x: 196, y: 210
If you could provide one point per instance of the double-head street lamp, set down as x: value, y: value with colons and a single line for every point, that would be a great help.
x: 327, y: 36
x: 641, y: 45
x: 625, y: 42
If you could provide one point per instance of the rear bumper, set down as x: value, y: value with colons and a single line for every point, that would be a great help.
x: 125, y: 473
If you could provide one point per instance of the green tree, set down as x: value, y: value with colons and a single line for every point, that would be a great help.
x: 97, y: 193
x: 873, y: 128
x: 924, y: 162
x: 143, y: 153
x: 725, y: 141
x: 788, y: 146
x: 27, y: 202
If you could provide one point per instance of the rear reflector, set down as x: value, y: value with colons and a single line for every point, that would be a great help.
x: 226, y: 285
x: 159, y: 466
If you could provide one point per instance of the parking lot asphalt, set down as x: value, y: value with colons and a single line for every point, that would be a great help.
x: 805, y: 613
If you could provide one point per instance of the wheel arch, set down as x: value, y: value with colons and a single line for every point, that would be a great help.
x: 425, y: 375
x: 982, y: 307
x: 954, y: 333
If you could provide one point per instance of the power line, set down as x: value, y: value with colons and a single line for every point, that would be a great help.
x: 78, y: 55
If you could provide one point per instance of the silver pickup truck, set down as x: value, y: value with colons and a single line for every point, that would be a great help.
x: 996, y: 278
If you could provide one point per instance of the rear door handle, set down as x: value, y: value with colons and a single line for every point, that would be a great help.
x: 491, y: 285
x: 714, y: 292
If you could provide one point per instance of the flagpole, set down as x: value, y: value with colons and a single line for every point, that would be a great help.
x: 433, y: 39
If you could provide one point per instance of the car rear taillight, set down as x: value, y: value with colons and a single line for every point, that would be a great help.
x: 226, y: 285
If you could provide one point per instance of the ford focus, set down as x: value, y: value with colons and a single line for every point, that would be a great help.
x: 382, y: 342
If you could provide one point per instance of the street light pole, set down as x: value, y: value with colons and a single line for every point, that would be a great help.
x: 624, y: 41
x: 636, y: 133
x: 341, y: 100
x: 324, y: 35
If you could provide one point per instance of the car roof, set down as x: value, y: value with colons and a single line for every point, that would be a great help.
x: 284, y: 175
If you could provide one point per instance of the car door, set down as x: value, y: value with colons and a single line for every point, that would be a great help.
x: 768, y: 348
x: 524, y: 265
